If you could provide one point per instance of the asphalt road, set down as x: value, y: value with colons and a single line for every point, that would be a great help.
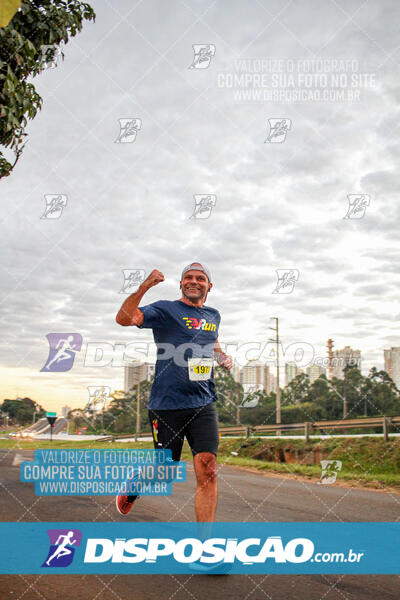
x: 243, y: 496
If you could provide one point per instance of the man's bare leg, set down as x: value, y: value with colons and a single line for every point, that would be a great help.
x: 205, y: 466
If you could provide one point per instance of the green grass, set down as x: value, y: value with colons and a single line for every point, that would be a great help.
x: 376, y: 480
x: 369, y: 461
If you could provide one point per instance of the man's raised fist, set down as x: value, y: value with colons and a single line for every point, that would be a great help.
x: 154, y: 278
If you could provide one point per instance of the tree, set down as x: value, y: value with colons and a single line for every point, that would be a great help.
x: 121, y: 414
x: 324, y: 394
x: 297, y: 390
x: 229, y: 395
x: 21, y: 410
x: 380, y: 394
x: 28, y: 43
x: 77, y: 418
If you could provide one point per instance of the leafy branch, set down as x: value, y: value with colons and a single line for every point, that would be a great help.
x: 29, y: 42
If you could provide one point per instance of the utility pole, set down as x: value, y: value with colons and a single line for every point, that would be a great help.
x: 344, y: 395
x: 330, y: 359
x: 278, y: 391
x: 138, y: 409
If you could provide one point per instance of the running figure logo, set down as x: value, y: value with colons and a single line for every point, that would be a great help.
x: 50, y: 54
x: 357, y: 206
x: 278, y: 129
x: 128, y: 129
x: 55, y: 204
x: 62, y: 351
x: 203, y: 54
x: 98, y: 396
x: 250, y: 400
x: 330, y: 470
x: 286, y: 280
x: 132, y: 279
x: 203, y: 205
x: 62, y: 547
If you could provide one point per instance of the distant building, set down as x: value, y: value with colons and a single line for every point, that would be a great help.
x: 269, y: 381
x: 314, y: 371
x: 252, y: 376
x: 256, y: 376
x: 392, y: 364
x: 291, y: 370
x: 137, y: 371
x: 65, y: 410
x: 342, y: 358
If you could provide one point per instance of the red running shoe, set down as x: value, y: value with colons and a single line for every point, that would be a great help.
x: 124, y: 504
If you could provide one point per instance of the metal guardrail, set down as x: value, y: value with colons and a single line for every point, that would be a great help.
x: 307, y: 426
x: 236, y: 429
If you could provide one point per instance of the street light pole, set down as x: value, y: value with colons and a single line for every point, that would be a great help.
x: 138, y: 410
x: 344, y: 396
x: 278, y: 391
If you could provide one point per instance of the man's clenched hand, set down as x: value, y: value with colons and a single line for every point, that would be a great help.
x: 224, y: 360
x: 153, y: 279
x: 129, y: 313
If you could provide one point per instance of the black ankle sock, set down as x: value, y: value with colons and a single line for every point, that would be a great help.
x: 131, y: 498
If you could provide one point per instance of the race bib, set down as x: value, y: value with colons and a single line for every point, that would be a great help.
x: 200, y: 368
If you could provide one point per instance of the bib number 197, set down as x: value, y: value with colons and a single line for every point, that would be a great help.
x: 200, y: 368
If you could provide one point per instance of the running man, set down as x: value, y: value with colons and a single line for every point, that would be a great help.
x: 182, y: 396
x: 62, y: 351
x: 62, y: 549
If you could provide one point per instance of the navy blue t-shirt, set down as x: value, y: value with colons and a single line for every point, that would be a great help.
x: 180, y: 332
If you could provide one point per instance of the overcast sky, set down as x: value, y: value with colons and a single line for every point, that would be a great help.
x: 278, y: 205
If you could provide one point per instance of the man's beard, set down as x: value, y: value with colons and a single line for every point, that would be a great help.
x: 202, y: 295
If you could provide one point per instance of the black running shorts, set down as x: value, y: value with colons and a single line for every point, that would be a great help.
x: 198, y: 425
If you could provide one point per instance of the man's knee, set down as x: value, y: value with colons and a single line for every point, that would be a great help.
x: 205, y: 468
